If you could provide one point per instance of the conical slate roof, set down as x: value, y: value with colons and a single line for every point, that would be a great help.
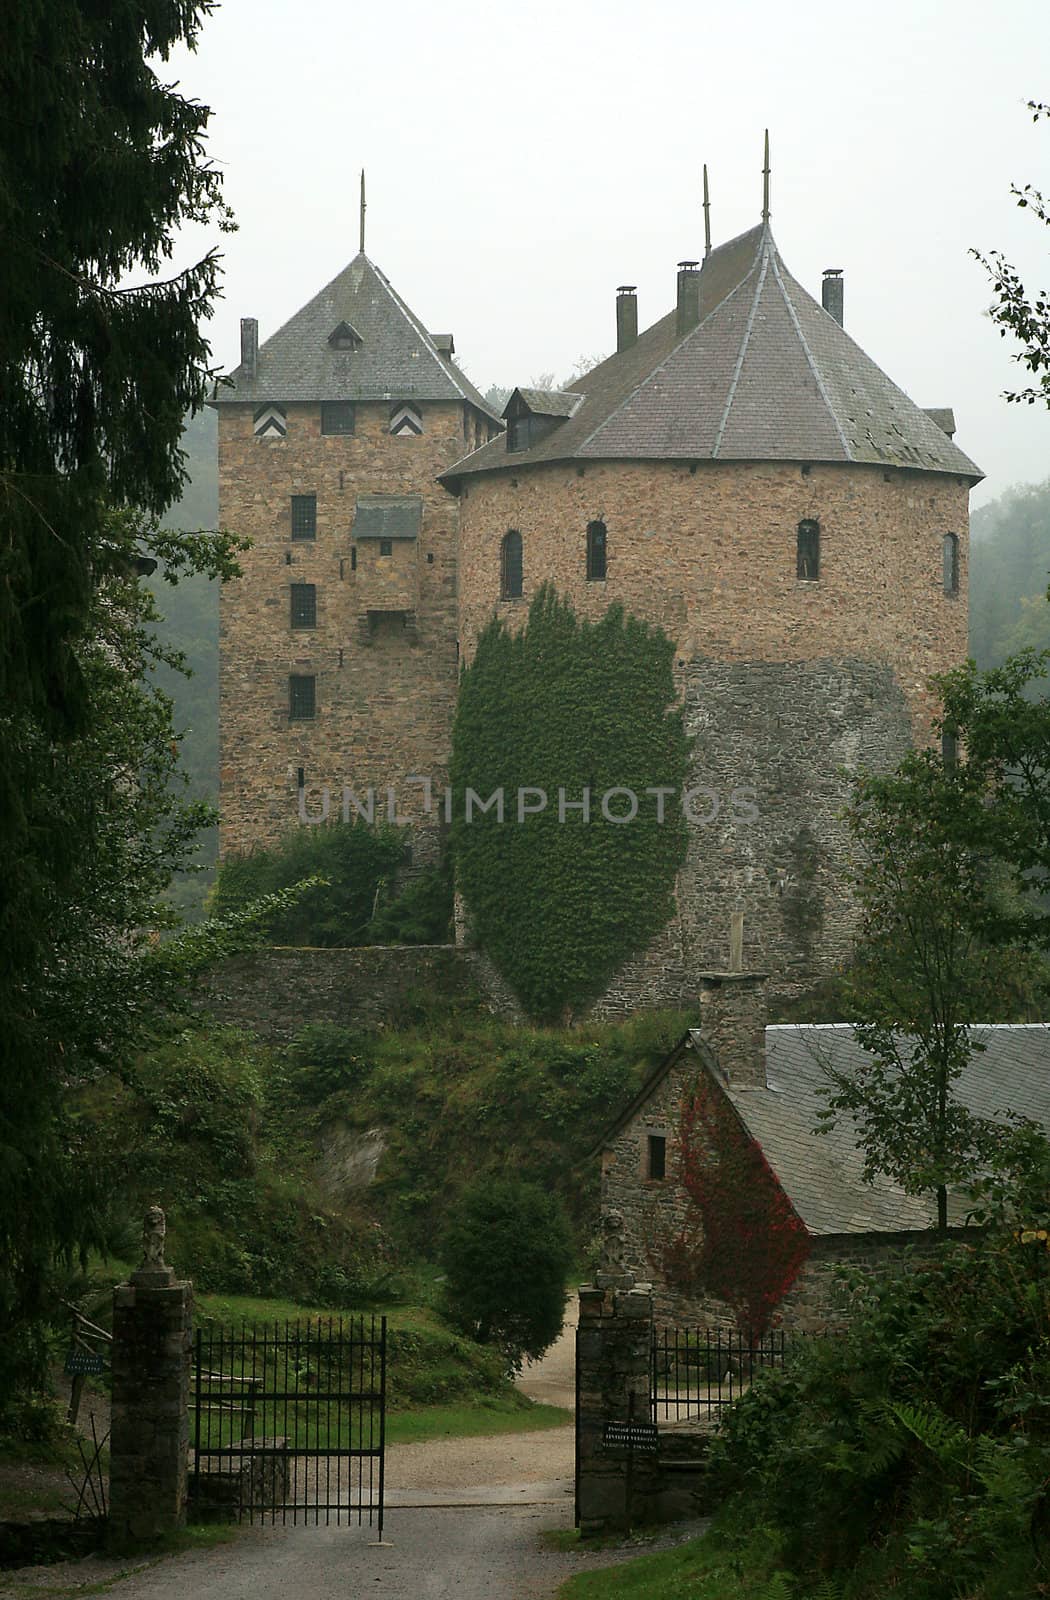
x: 356, y: 340
x: 765, y: 375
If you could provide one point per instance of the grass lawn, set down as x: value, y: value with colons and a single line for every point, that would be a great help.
x: 707, y: 1568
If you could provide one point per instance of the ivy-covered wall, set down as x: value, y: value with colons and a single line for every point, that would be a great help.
x: 571, y: 870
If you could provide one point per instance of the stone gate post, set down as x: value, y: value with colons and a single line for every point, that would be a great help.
x: 149, y: 1436
x: 613, y: 1354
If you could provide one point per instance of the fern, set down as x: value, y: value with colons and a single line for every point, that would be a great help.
x: 938, y: 1433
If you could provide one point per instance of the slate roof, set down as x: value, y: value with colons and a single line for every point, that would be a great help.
x: 396, y: 360
x: 387, y: 516
x: 766, y: 375
x: 546, y: 402
x: 822, y: 1173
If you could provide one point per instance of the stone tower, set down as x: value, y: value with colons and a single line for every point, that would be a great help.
x: 743, y: 475
x: 338, y: 645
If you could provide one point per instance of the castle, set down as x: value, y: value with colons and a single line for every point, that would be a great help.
x: 740, y: 473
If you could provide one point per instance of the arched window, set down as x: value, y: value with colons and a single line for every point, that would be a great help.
x: 596, y: 532
x: 510, y: 566
x: 951, y: 563
x: 808, y: 560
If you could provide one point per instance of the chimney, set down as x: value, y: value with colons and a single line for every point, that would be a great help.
x: 733, y: 1013
x: 626, y: 316
x: 688, y: 311
x: 249, y: 345
x: 831, y: 293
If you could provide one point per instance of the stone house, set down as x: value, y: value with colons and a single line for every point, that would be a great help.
x: 717, y: 1188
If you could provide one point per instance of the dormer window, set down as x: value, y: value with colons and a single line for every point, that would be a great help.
x: 344, y: 337
x: 532, y: 414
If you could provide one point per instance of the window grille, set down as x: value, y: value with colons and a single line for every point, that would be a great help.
x: 301, y: 698
x: 304, y: 605
x: 304, y: 516
x: 337, y: 416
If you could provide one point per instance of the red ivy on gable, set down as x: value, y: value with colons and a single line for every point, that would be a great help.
x: 753, y: 1244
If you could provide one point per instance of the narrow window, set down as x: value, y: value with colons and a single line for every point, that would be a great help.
x: 301, y: 698
x: 510, y: 573
x: 951, y: 563
x: 353, y: 558
x: 304, y: 605
x: 304, y: 516
x: 386, y: 547
x: 950, y: 747
x: 337, y: 416
x: 596, y: 551
x: 808, y: 565
x: 657, y: 1170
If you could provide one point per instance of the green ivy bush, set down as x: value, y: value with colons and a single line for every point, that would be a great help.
x: 911, y: 1455
x: 356, y: 900
x: 572, y: 705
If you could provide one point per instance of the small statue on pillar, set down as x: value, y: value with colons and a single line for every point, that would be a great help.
x: 154, y: 1271
x: 614, y: 1272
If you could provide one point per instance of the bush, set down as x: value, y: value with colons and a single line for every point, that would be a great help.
x: 359, y: 865
x: 911, y: 1454
x: 507, y: 1252
x: 325, y: 1059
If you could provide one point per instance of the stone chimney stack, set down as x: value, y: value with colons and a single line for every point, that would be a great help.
x: 831, y: 293
x: 626, y: 316
x: 249, y: 345
x: 688, y: 308
x: 733, y: 1014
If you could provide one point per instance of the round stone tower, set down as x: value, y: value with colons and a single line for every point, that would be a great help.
x: 742, y: 474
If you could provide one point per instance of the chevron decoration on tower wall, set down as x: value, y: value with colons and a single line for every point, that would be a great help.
x: 270, y: 422
x: 405, y: 419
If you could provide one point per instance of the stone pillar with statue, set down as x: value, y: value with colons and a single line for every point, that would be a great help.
x: 149, y: 1438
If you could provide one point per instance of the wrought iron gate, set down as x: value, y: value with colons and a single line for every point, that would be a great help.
x: 289, y: 1422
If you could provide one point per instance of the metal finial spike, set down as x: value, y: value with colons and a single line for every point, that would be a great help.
x: 765, y: 183
x: 364, y: 208
x: 707, y: 216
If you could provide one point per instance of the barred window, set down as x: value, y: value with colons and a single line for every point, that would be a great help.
x: 511, y: 566
x: 951, y: 563
x: 337, y: 416
x: 596, y: 533
x: 304, y: 605
x: 301, y: 698
x: 808, y: 563
x: 304, y: 516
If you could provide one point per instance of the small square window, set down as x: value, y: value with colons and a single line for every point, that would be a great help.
x: 304, y: 516
x: 302, y: 700
x: 304, y: 605
x: 386, y: 547
x: 337, y: 416
x: 657, y: 1168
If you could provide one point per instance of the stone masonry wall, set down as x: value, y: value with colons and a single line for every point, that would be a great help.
x: 787, y: 685
x: 275, y: 993
x: 386, y: 685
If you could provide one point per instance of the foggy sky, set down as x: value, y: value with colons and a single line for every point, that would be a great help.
x: 524, y: 159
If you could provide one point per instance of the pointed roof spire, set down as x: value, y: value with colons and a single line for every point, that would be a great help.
x: 707, y: 216
x: 765, y: 183
x: 364, y: 208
